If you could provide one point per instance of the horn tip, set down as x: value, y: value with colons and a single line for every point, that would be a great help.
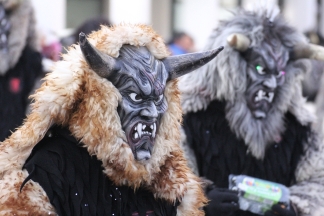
x: 220, y: 48
x: 216, y: 51
x: 82, y: 38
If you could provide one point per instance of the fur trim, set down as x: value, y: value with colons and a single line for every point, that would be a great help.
x: 31, y: 200
x: 73, y: 90
x: 22, y: 32
x: 225, y: 78
x: 308, y: 194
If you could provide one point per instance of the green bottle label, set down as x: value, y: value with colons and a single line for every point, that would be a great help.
x: 260, y: 190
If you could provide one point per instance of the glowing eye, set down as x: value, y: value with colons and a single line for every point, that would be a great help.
x: 135, y: 97
x: 260, y: 69
x: 159, y: 99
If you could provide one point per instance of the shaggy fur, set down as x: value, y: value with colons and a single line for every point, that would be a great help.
x: 32, y: 200
x: 22, y: 32
x: 226, y: 78
x: 73, y: 90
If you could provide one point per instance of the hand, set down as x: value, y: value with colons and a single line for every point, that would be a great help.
x: 280, y: 210
x: 222, y: 200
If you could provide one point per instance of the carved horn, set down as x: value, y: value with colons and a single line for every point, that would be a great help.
x: 239, y: 42
x: 310, y: 51
x: 103, y: 64
x: 182, y: 64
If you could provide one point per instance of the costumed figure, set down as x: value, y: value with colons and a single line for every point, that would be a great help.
x: 245, y: 114
x: 20, y: 62
x: 106, y: 122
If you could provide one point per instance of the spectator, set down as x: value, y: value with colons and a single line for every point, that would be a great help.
x: 181, y: 43
x: 20, y: 62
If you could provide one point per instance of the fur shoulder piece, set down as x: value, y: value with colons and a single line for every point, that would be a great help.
x: 75, y: 96
x: 22, y: 32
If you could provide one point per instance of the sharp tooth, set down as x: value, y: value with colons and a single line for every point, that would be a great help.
x: 271, y: 95
x: 144, y: 126
x: 151, y: 126
x: 136, y: 135
x: 135, y: 128
x: 139, y: 129
x: 154, y: 130
x: 260, y: 93
x: 256, y: 98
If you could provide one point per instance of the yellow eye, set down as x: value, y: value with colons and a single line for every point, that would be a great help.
x: 135, y: 97
x: 260, y: 69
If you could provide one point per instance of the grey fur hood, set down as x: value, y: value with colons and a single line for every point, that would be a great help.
x: 22, y: 32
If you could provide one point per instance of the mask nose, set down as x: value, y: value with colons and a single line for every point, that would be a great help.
x: 270, y: 83
x: 149, y: 111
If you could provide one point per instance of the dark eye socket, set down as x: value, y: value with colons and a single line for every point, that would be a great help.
x: 280, y: 74
x: 261, y: 70
x: 159, y: 99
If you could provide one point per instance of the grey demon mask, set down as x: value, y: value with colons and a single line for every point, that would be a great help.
x: 4, y: 30
x: 266, y: 65
x: 141, y: 80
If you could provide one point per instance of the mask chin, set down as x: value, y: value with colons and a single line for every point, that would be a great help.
x: 258, y: 114
x: 142, y: 155
x: 142, y: 151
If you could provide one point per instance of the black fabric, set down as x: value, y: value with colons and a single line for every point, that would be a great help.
x: 220, y: 153
x: 75, y: 183
x: 13, y: 102
x: 278, y: 210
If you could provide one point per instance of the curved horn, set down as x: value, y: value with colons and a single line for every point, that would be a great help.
x: 182, y: 64
x: 310, y: 51
x: 103, y: 64
x: 239, y: 42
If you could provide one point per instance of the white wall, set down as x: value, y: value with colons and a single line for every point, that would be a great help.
x: 130, y: 11
x: 197, y: 18
x: 301, y: 14
x: 50, y: 14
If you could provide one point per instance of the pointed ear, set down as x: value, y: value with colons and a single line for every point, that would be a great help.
x: 182, y: 64
x: 101, y: 63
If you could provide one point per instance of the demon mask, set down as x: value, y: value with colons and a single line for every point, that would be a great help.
x: 141, y: 80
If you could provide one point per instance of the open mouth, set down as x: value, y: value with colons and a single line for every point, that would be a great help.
x: 263, y: 95
x: 143, y: 129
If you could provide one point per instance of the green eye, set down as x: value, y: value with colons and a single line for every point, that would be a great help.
x: 260, y: 69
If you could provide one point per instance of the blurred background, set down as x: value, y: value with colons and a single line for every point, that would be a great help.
x: 197, y: 18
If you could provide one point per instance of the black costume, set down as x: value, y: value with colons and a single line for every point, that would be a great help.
x: 75, y: 188
x: 220, y: 153
x: 15, y: 87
